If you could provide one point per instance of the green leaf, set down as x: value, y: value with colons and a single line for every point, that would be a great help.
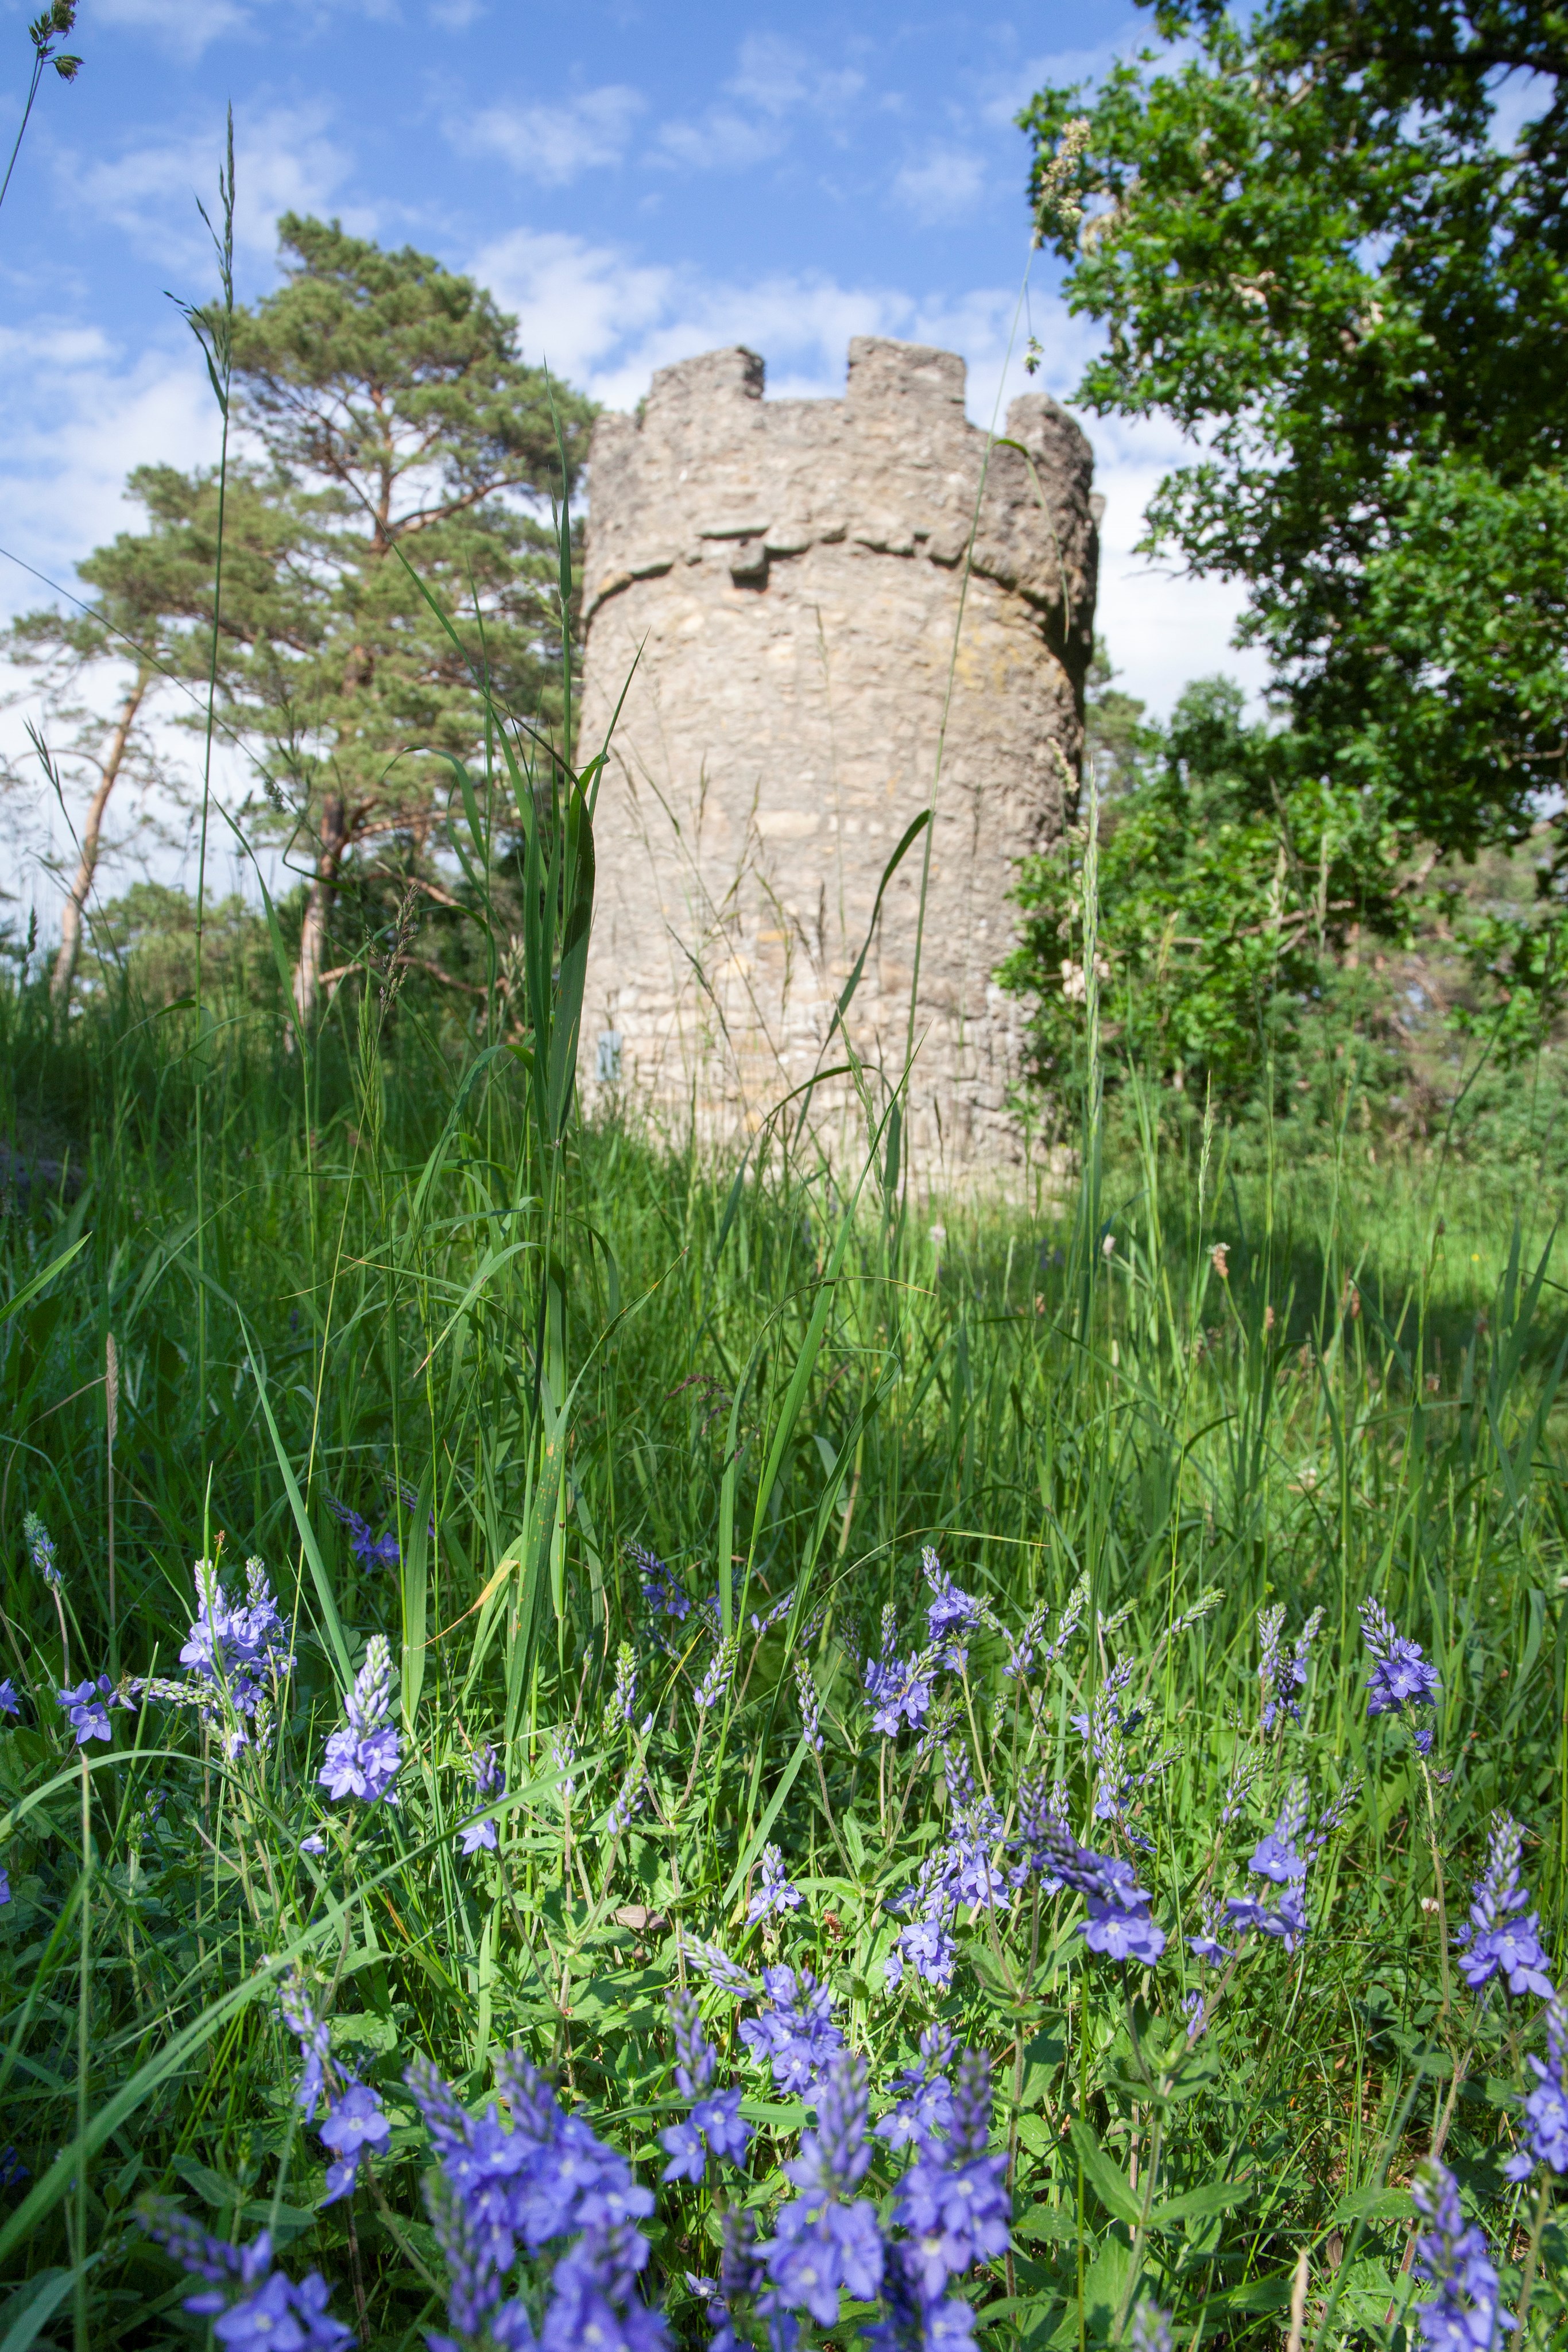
x: 33, y: 2307
x: 1108, y: 2182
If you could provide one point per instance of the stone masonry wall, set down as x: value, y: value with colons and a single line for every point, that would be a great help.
x: 772, y: 591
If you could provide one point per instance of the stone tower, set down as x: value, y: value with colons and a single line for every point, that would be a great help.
x: 775, y: 594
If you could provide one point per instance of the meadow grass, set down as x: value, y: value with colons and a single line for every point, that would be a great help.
x: 517, y: 1351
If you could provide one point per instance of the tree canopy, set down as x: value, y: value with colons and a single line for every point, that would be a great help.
x: 1331, y: 242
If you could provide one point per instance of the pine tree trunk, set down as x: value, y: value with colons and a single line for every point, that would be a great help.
x: 318, y: 906
x: 87, y: 864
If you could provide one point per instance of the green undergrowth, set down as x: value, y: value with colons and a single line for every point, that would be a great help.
x: 1187, y: 1393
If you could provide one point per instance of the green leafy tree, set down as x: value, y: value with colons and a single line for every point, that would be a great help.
x: 1221, y: 908
x: 410, y: 449
x: 1316, y: 245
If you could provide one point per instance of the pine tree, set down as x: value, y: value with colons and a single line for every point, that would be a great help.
x: 413, y: 450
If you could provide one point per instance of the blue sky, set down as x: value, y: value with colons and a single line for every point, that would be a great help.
x: 637, y: 183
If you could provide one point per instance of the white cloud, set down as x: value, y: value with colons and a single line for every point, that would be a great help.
x: 607, y: 320
x: 943, y: 187
x: 778, y: 78
x: 722, y: 139
x: 775, y: 80
x: 188, y: 26
x: 285, y: 161
x: 83, y: 412
x: 554, y: 144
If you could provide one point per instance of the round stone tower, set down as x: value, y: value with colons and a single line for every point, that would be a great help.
x: 779, y: 608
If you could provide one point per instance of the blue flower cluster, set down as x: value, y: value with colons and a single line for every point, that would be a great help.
x: 505, y: 2188
x: 356, y: 2123
x: 954, y: 2203
x: 87, y: 1709
x: 1451, y: 2255
x: 793, y: 2032
x: 371, y: 1551
x: 1278, y: 1859
x: 1401, y: 1679
x: 715, y: 2125
x: 1279, y: 1678
x: 660, y: 1590
x: 41, y: 1547
x: 826, y: 2240
x: 899, y: 1688
x: 363, y: 1757
x: 1502, y: 1937
x: 255, y: 2308
x: 1546, y: 2107
x: 1119, y: 1922
x: 489, y: 1782
x: 236, y: 1653
x: 773, y: 1894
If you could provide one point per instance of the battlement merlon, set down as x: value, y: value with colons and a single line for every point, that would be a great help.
x: 710, y: 472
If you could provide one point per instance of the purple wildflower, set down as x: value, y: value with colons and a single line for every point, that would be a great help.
x: 780, y: 1609
x: 924, y: 2114
x: 824, y: 2242
x: 354, y: 2126
x: 1150, y: 2330
x: 315, y: 2042
x: 794, y: 2032
x: 254, y: 2307
x: 1503, y: 1935
x: 898, y: 1690
x: 925, y: 1945
x: 953, y: 2199
x: 1205, y: 1945
x: 1451, y: 2255
x: 362, y: 1758
x: 660, y: 1590
x: 314, y: 1844
x: 721, y: 1668
x: 235, y: 1650
x: 9, y: 1702
x: 1022, y: 1645
x: 949, y: 1613
x: 1039, y: 1805
x: 12, y: 2172
x: 775, y: 1893
x: 1401, y: 1678
x: 88, y: 1707
x: 594, y: 2299
x: 41, y: 1546
x: 623, y: 1707
x: 721, y: 1971
x: 1286, y: 1919
x: 625, y: 1805
x: 1118, y: 1923
x: 371, y: 1551
x: 1546, y: 2108
x: 489, y: 1782
x: 541, y: 2176
x: 1278, y: 1859
x: 810, y: 1706
x: 1277, y: 1856
x: 1334, y: 1815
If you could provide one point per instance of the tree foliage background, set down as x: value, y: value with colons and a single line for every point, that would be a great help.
x: 1330, y: 241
